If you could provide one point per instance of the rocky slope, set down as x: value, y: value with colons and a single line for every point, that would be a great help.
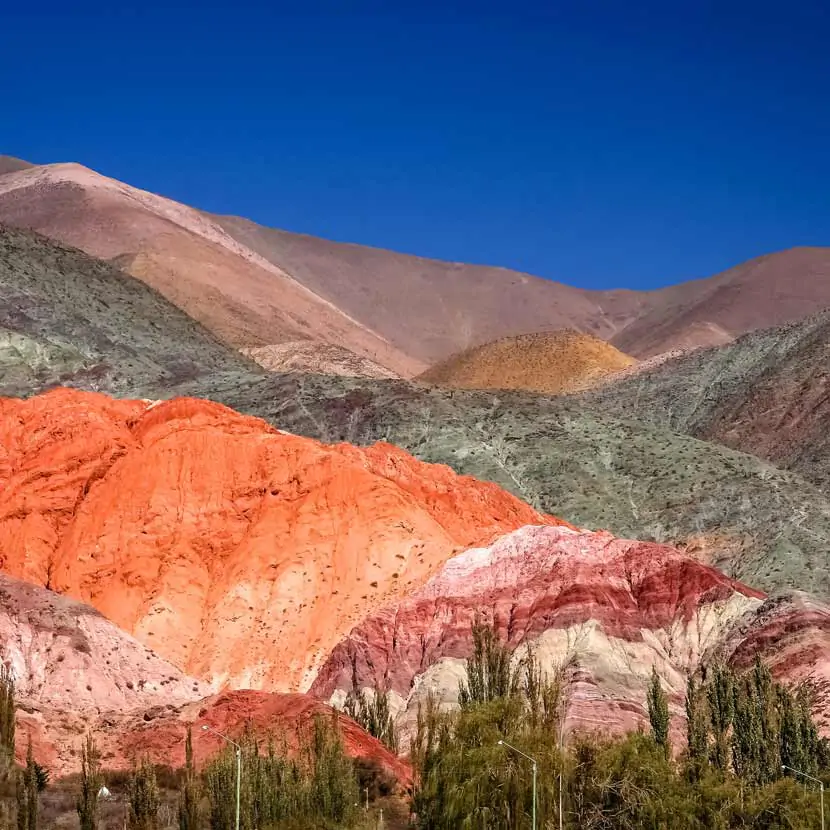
x: 240, y: 296
x: 319, y: 358
x: 758, y: 524
x: 66, y: 318
x: 601, y: 609
x: 792, y: 635
x: 240, y: 553
x: 605, y: 609
x: 768, y: 394
x: 73, y: 667
x: 77, y: 672
x: 550, y: 362
x: 285, y: 717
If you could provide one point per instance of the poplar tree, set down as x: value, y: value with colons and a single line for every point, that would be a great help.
x: 144, y: 798
x: 658, y: 712
x: 8, y: 708
x: 87, y: 802
x: 189, y: 813
x: 747, y: 731
x: 489, y: 676
x: 721, y: 700
x: 27, y: 793
x: 372, y: 712
x: 696, y: 727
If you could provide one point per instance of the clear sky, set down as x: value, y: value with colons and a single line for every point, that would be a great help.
x: 589, y: 142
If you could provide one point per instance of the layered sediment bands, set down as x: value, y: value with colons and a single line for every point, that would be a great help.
x: 791, y: 634
x: 605, y: 609
x: 240, y: 553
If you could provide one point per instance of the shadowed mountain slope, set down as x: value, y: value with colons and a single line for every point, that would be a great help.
x: 68, y: 319
x: 9, y: 164
x: 549, y: 362
x: 768, y: 394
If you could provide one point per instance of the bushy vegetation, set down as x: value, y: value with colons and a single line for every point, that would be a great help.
x: 91, y: 783
x: 144, y: 797
x: 749, y: 726
x: 742, y: 729
x: 372, y: 712
x: 314, y: 787
x: 190, y: 799
x: 473, y: 766
x: 463, y: 777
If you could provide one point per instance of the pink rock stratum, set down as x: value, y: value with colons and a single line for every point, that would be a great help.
x: 605, y: 608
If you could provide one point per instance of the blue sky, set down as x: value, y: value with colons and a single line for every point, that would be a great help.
x: 592, y: 143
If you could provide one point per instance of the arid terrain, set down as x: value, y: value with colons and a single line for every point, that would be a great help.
x: 257, y: 287
x: 550, y: 362
x: 249, y: 477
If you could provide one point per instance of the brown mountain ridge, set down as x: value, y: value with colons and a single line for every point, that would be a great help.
x: 257, y: 287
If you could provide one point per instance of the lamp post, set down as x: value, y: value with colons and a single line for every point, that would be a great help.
x: 238, y: 765
x: 532, y: 761
x: 811, y: 778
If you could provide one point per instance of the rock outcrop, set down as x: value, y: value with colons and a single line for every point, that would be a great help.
x: 74, y: 669
x: 604, y: 609
x: 238, y: 552
x: 320, y: 358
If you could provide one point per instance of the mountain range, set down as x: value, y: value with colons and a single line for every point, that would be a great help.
x: 244, y: 471
x: 256, y: 287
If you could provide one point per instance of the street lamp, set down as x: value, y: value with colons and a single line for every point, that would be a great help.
x: 532, y: 761
x: 238, y: 765
x: 811, y: 778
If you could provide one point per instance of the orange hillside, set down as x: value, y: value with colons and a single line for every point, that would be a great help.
x: 240, y: 553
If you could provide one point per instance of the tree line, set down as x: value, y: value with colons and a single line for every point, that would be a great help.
x: 310, y: 785
x: 472, y: 767
x: 743, y: 728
